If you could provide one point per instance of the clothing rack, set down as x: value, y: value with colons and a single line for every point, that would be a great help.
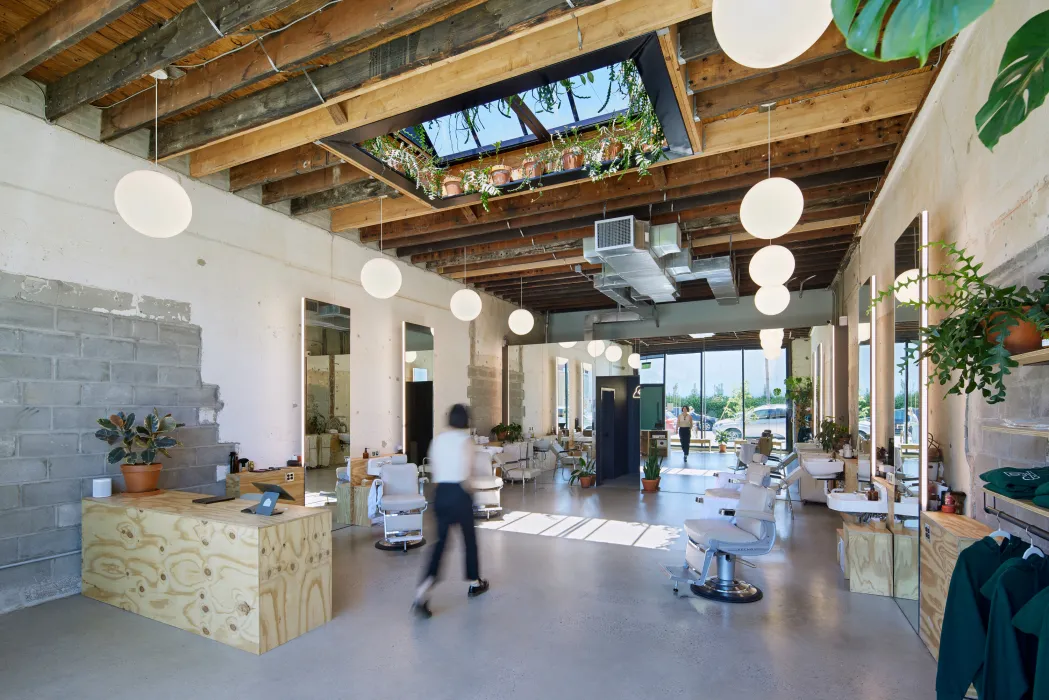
x: 993, y: 510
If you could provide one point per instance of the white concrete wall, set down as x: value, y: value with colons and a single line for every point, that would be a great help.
x: 994, y: 204
x: 244, y: 270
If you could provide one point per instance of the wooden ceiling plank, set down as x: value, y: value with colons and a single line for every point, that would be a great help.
x: 56, y: 30
x: 311, y: 183
x: 383, y: 174
x: 697, y: 38
x: 365, y: 214
x: 540, y: 40
x: 296, y: 161
x: 342, y: 195
x: 668, y: 43
x: 157, y: 47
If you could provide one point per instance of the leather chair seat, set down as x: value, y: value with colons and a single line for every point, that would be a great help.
x: 400, y: 502
x: 706, y: 531
x: 485, y: 483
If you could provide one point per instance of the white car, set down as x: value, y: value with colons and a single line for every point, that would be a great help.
x: 768, y: 417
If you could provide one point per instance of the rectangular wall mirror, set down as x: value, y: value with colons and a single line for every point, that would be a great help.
x: 561, y: 388
x: 418, y: 391
x: 326, y: 401
x: 864, y: 380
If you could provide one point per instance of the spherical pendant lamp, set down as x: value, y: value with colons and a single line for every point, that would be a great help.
x: 771, y: 265
x: 864, y: 332
x: 411, y: 356
x: 912, y: 291
x: 153, y: 204
x: 772, y: 208
x: 772, y: 300
x: 768, y: 33
x: 614, y: 353
x: 771, y: 337
x: 634, y: 360
x: 568, y: 344
x: 381, y: 278
x: 521, y: 322
x: 772, y: 353
x: 466, y: 305
x: 595, y: 348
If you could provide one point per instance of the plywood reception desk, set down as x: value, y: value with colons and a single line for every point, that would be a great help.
x: 250, y: 581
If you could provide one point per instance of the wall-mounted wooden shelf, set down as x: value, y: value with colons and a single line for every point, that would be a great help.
x: 1025, y: 504
x: 999, y: 428
x: 1035, y: 357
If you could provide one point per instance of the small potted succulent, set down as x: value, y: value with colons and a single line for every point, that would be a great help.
x: 585, y: 473
x: 501, y: 174
x: 136, y: 447
x: 650, y: 475
x: 722, y: 438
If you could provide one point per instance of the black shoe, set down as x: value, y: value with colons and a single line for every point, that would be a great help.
x: 478, y: 589
x: 422, y: 610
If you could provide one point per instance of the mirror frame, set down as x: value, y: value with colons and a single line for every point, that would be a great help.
x: 923, y: 362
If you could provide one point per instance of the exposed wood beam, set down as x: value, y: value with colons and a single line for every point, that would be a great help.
x: 502, y: 246
x: 154, y: 48
x: 342, y: 195
x: 388, y: 176
x: 717, y: 68
x: 527, y: 262
x: 697, y: 38
x: 668, y: 43
x: 57, y: 29
x: 295, y: 161
x: 362, y: 214
x: 587, y: 268
x: 311, y: 183
x: 345, y: 27
x: 698, y: 225
x: 743, y: 240
x: 541, y: 39
x: 337, y: 112
x: 529, y: 119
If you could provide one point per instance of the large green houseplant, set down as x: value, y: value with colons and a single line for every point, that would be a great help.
x: 652, y: 468
x: 136, y: 447
x: 832, y: 436
x: 585, y: 473
x: 984, y: 325
x: 799, y: 393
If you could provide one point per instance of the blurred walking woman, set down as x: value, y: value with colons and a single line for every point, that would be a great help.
x: 684, y: 428
x: 451, y: 460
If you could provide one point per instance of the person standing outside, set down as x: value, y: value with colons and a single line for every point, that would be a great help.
x: 451, y: 461
x: 684, y: 428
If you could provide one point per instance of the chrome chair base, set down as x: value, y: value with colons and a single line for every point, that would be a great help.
x: 732, y: 591
x: 400, y: 545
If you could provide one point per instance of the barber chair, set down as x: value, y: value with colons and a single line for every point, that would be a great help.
x: 516, y: 464
x: 726, y: 495
x: 485, y: 486
x: 400, y: 503
x: 751, y: 531
x: 563, y: 459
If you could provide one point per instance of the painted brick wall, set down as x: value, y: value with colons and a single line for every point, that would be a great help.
x: 68, y: 355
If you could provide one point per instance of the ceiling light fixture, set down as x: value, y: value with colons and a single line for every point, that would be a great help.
x: 771, y: 265
x: 614, y: 353
x: 568, y: 344
x: 595, y: 348
x: 634, y: 360
x: 773, y: 206
x: 521, y: 321
x: 772, y: 300
x: 771, y: 337
x: 410, y: 356
x: 380, y: 276
x: 465, y: 303
x: 769, y: 33
x: 149, y: 201
x: 698, y: 336
x: 864, y: 331
x: 772, y: 353
x: 910, y: 292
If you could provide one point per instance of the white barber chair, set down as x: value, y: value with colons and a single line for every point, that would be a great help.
x: 750, y: 532
x: 726, y: 495
x: 486, y: 486
x: 400, y: 503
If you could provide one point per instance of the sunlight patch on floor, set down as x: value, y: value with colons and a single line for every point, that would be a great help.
x: 573, y: 527
x: 686, y: 471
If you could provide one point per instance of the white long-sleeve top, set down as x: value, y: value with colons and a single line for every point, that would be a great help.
x: 451, y: 457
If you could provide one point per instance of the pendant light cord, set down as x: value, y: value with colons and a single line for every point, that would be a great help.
x: 770, y: 142
x: 380, y: 224
x: 156, y: 122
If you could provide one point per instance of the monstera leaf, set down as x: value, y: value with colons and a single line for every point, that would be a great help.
x: 914, y: 27
x: 1021, y: 84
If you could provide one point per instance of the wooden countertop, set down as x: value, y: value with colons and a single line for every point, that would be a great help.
x: 181, y: 503
x: 958, y: 525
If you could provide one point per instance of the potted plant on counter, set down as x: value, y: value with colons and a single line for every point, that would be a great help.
x: 585, y: 473
x: 137, y: 446
x: 650, y: 475
x: 832, y: 436
x: 722, y: 438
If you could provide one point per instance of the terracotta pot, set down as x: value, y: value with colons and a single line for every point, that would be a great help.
x: 610, y: 149
x: 452, y: 186
x: 532, y: 168
x: 571, y: 161
x: 586, y: 481
x: 517, y: 174
x: 721, y: 449
x: 140, y: 478
x: 1023, y: 337
x: 650, y: 485
x: 500, y: 174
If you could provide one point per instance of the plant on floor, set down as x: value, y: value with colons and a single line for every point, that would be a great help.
x: 832, y: 436
x: 722, y: 437
x: 971, y: 348
x: 584, y: 473
x: 651, y: 470
x: 135, y: 447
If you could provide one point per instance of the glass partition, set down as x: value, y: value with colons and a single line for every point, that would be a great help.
x: 765, y: 405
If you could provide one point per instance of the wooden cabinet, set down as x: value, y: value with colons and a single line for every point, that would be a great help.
x: 868, y: 549
x: 942, y: 537
x: 904, y: 562
x: 291, y: 479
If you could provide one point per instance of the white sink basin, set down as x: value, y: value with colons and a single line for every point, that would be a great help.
x: 822, y: 468
x: 854, y: 503
x: 908, y: 506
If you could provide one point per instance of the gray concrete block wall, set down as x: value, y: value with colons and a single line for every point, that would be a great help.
x: 63, y: 365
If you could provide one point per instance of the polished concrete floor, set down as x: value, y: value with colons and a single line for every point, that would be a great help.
x: 578, y: 609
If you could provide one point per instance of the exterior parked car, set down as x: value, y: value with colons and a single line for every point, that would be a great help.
x: 700, y: 421
x: 768, y: 417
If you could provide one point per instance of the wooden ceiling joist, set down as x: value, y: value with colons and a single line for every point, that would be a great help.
x: 668, y: 43
x: 697, y: 39
x: 62, y: 26
x: 296, y: 161
x: 347, y: 26
x: 158, y: 47
x: 350, y: 193
x: 541, y: 38
x: 311, y: 183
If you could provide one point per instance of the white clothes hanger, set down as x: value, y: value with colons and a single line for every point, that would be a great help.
x: 1000, y: 532
x: 1032, y: 549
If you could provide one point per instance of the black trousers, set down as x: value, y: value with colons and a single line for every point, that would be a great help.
x: 453, y: 506
x: 686, y: 436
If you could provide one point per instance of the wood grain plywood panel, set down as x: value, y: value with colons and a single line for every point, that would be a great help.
x: 905, y: 562
x: 869, y: 553
x: 291, y: 479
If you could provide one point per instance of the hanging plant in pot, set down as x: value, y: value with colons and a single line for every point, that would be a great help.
x: 136, y: 447
x: 650, y: 474
x: 984, y: 325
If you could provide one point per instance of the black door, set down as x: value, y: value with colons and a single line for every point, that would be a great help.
x: 418, y: 419
x: 606, y: 439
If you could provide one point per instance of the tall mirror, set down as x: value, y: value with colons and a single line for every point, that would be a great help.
x: 561, y: 388
x: 418, y: 391
x: 326, y: 401
x: 905, y: 443
x: 864, y: 380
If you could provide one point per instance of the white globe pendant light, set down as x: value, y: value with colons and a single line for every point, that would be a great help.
x: 772, y: 208
x: 771, y: 265
x: 614, y: 353
x: 768, y: 33
x: 153, y: 204
x: 864, y: 331
x: 521, y: 322
x: 411, y: 356
x: 771, y: 337
x: 911, y: 292
x: 772, y: 300
x: 634, y: 360
x: 466, y: 305
x: 772, y: 353
x: 381, y: 278
x: 595, y: 348
x: 568, y: 344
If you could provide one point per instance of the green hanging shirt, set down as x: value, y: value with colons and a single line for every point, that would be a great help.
x: 1033, y: 618
x: 1009, y: 654
x: 964, y: 632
